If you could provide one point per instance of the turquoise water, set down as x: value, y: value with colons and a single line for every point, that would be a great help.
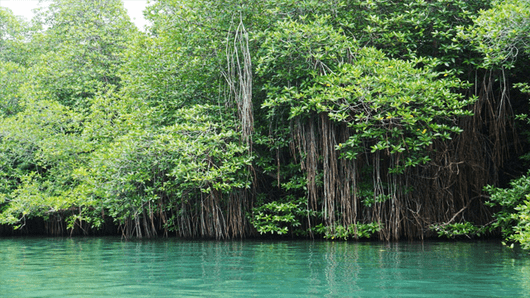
x: 100, y: 267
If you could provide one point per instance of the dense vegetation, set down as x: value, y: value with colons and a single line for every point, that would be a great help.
x: 334, y: 119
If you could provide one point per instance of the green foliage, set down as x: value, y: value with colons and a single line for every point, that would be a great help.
x: 390, y: 105
x: 183, y: 59
x: 12, y: 76
x: 98, y: 119
x: 522, y: 229
x: 467, y: 229
x: 501, y: 33
x: 14, y: 32
x: 513, y: 217
x: 45, y: 135
x: 414, y: 28
x: 280, y: 218
x: 353, y: 231
x: 81, y: 49
x: 40, y: 147
x: 197, y: 155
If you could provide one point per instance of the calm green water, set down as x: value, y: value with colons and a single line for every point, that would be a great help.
x: 99, y: 267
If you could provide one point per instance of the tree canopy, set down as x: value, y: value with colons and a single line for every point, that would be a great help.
x: 333, y: 119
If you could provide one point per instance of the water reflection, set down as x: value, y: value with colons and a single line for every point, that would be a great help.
x: 98, y: 267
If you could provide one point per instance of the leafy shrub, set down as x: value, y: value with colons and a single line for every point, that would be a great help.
x: 353, y: 231
x: 513, y: 218
x: 467, y: 229
x: 278, y: 217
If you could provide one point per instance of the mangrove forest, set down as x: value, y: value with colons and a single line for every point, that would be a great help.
x: 335, y: 119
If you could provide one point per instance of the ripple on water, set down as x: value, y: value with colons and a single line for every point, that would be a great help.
x: 101, y: 267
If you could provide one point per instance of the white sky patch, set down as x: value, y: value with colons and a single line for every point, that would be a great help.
x: 25, y: 9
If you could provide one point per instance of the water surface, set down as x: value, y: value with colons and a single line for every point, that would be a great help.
x: 110, y: 267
